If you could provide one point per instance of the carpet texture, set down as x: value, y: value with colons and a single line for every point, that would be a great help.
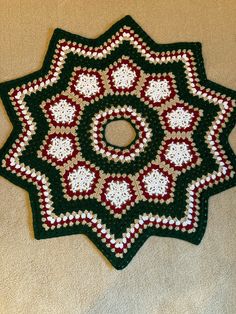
x: 69, y: 275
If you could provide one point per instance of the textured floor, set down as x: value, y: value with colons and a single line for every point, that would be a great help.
x: 69, y: 275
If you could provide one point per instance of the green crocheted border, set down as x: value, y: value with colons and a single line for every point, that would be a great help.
x: 114, y: 224
x: 119, y: 167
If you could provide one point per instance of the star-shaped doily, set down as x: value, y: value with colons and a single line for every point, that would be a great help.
x: 118, y: 196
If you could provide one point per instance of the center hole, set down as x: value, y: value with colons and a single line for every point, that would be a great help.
x: 120, y: 133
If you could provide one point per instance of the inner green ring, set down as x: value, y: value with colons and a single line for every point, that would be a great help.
x: 110, y: 166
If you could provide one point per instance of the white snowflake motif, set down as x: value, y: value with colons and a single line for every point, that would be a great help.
x: 156, y: 183
x: 158, y: 90
x: 179, y: 118
x: 118, y: 193
x: 178, y: 153
x: 123, y: 77
x: 62, y: 111
x: 60, y: 148
x: 81, y: 179
x: 87, y: 85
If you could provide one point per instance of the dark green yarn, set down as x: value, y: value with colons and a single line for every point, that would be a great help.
x: 118, y: 226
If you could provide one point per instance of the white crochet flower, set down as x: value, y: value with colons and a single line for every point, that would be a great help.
x: 60, y: 148
x: 179, y: 118
x: 178, y: 153
x: 81, y: 179
x: 158, y: 90
x: 123, y: 77
x: 118, y: 193
x: 63, y: 111
x: 87, y: 85
x: 156, y: 183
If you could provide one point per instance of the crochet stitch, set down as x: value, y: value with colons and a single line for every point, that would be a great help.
x: 78, y: 182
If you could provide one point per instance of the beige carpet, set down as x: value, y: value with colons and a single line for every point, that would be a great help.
x: 69, y: 275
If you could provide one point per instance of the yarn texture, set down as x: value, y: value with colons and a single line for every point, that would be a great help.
x: 78, y: 182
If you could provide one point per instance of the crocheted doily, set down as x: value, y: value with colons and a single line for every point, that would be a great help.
x: 78, y: 181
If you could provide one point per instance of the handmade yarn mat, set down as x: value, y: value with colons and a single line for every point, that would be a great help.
x: 170, y: 153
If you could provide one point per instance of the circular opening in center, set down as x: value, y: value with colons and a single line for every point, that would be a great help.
x: 119, y: 133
